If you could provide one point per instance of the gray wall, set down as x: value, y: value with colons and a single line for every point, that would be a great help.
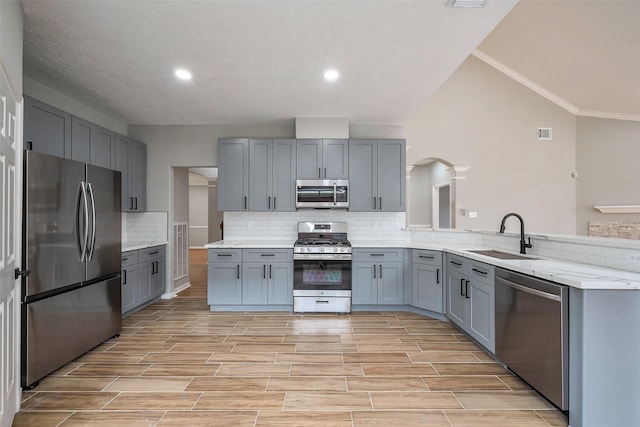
x: 607, y: 163
x: 484, y: 119
x: 11, y: 23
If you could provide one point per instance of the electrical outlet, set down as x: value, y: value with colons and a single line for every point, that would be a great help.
x: 633, y: 257
x: 473, y: 214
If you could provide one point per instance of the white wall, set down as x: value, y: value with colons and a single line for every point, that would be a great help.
x: 608, y: 152
x: 483, y: 119
x: 215, y: 216
x: 11, y: 23
x: 198, y: 210
x: 53, y: 97
x: 179, y: 213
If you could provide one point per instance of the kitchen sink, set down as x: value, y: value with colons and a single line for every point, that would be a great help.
x: 501, y: 255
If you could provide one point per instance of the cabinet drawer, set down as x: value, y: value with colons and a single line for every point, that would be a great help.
x: 153, y: 252
x: 481, y: 272
x: 267, y: 256
x: 421, y: 256
x: 224, y: 255
x: 377, y: 255
x: 129, y: 258
x: 456, y: 263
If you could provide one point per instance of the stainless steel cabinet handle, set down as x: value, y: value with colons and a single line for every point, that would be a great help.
x: 466, y: 289
x: 374, y: 272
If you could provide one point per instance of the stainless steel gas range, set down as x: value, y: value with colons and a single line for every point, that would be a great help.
x: 322, y: 268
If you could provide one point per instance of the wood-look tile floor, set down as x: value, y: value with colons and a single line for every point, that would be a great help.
x: 177, y: 363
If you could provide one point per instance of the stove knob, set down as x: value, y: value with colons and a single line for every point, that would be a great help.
x: 335, y: 249
x: 342, y: 249
x: 321, y: 249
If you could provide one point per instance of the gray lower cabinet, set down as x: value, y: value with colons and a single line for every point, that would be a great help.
x: 377, y: 175
x: 323, y: 159
x: 143, y: 277
x: 470, y: 298
x: 427, y: 280
x: 250, y: 277
x: 377, y: 277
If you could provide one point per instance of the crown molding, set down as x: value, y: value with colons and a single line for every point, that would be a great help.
x: 550, y: 95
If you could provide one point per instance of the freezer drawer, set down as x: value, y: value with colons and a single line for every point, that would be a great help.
x: 58, y: 329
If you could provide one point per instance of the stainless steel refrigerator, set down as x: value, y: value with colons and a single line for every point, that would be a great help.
x: 71, y: 292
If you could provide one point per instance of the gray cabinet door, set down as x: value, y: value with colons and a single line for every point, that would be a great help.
x: 83, y: 134
x: 104, y: 148
x: 224, y: 283
x: 158, y: 286
x: 138, y: 175
x: 427, y: 287
x: 335, y: 159
x: 481, y: 313
x: 233, y: 174
x: 391, y: 175
x: 456, y: 299
x: 363, y: 175
x: 46, y: 129
x: 364, y: 283
x: 283, y: 173
x: 129, y: 288
x: 309, y: 159
x: 145, y: 282
x: 390, y: 283
x: 121, y: 159
x: 260, y: 183
x: 280, y: 285
x: 254, y: 283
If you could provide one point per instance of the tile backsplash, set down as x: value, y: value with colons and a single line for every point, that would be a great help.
x: 278, y: 226
x: 144, y: 227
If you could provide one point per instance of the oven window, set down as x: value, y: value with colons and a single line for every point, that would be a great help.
x: 309, y: 274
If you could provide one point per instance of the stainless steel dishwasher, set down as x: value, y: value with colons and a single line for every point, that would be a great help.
x: 532, y: 332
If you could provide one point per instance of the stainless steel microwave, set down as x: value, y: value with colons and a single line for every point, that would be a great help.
x: 325, y: 193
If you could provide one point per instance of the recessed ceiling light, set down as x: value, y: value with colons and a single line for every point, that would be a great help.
x: 183, y: 74
x: 331, y: 75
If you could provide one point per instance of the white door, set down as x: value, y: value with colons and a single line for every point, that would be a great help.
x: 10, y: 148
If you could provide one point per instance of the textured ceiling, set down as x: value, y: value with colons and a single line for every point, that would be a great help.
x: 252, y: 61
x: 585, y: 52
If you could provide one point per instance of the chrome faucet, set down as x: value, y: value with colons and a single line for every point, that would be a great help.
x: 523, y: 244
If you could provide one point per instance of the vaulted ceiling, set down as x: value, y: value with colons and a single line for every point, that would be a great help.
x: 257, y: 61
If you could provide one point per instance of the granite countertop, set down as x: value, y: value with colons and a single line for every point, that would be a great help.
x: 576, y: 275
x: 133, y: 246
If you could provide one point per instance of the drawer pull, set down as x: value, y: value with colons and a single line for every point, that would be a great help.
x: 479, y: 271
x: 224, y: 254
x: 267, y: 254
x: 153, y: 253
x: 124, y: 259
x: 459, y: 264
x: 323, y: 301
x: 377, y: 254
x: 426, y: 256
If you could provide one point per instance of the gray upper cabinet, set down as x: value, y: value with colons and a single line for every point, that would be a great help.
x: 130, y: 158
x: 323, y: 159
x: 233, y: 174
x: 272, y: 175
x: 46, y: 129
x: 377, y: 175
x: 92, y: 144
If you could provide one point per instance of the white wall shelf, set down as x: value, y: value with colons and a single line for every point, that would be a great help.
x: 619, y: 209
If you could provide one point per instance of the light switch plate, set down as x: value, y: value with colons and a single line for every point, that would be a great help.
x: 473, y: 214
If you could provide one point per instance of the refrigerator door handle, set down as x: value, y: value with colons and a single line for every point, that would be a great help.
x: 92, y: 244
x: 82, y: 220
